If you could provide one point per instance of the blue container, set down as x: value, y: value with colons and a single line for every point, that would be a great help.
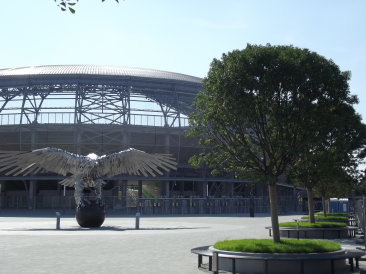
x: 339, y: 205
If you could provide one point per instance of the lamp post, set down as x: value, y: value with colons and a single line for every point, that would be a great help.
x: 364, y: 220
x: 251, y: 201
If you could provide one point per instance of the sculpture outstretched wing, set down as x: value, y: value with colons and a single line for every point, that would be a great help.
x: 134, y: 162
x: 18, y: 163
x: 130, y: 161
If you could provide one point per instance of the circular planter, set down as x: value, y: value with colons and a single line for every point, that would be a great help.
x: 90, y: 215
x: 348, y: 222
x: 276, y: 263
x: 317, y: 233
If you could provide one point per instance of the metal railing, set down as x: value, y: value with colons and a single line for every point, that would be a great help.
x: 358, y: 210
x: 158, y: 206
x: 93, y: 118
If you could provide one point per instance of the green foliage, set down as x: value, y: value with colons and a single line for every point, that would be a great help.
x: 329, y: 165
x: 328, y: 218
x: 285, y: 246
x: 361, y: 185
x: 261, y: 105
x: 340, y: 214
x: 262, y: 108
x: 147, y: 193
x: 312, y: 225
x: 68, y: 5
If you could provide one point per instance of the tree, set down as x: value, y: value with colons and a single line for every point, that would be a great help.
x: 68, y: 5
x: 324, y: 176
x: 329, y: 163
x: 258, y: 109
x: 304, y: 173
x: 361, y: 186
x: 339, y: 183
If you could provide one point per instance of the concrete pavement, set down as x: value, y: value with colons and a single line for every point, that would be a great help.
x: 162, y: 245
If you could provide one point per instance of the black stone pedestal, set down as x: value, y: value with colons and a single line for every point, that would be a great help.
x: 90, y: 215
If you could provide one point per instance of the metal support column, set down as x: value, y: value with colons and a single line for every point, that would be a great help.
x: 165, y: 185
x: 123, y: 189
x: 126, y: 140
x: 32, y: 194
x: 229, y: 189
x: 77, y: 139
x: 295, y: 199
x: 181, y: 188
x: 165, y: 188
x: 204, y: 189
x: 2, y: 194
x: 139, y: 189
x: 32, y: 190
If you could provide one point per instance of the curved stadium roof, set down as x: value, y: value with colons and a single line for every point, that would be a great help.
x: 16, y: 75
x: 99, y: 85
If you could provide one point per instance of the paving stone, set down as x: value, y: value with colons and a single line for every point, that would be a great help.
x: 31, y: 244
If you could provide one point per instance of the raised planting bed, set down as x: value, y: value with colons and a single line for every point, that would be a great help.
x: 312, y: 225
x: 336, y: 219
x: 340, y: 214
x: 318, y: 230
x: 285, y: 246
x: 243, y: 256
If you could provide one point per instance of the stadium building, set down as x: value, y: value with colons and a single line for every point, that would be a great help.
x: 102, y: 109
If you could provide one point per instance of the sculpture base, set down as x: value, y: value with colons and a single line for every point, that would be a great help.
x: 90, y: 215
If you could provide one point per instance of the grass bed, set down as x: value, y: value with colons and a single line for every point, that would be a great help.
x: 326, y: 218
x: 285, y: 246
x: 314, y: 225
x: 340, y: 214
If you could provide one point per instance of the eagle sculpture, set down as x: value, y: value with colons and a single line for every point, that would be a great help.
x: 84, y: 172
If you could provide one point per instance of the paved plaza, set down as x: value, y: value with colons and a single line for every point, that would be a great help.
x: 31, y: 244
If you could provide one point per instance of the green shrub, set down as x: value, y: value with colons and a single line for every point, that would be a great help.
x: 340, y: 214
x: 314, y: 225
x: 285, y: 246
x: 328, y: 218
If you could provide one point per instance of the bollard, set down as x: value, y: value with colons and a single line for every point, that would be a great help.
x: 251, y: 206
x: 137, y: 223
x: 297, y: 228
x: 215, y: 262
x: 58, y: 215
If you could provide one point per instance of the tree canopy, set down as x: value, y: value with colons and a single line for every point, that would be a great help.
x: 68, y: 5
x: 258, y: 108
x: 329, y: 165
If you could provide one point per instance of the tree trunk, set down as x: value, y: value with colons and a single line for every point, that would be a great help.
x: 328, y: 206
x: 310, y: 205
x: 272, y: 190
x: 324, y: 206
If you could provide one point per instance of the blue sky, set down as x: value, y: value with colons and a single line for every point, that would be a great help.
x: 181, y: 36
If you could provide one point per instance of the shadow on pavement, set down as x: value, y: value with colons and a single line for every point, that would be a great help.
x: 103, y: 228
